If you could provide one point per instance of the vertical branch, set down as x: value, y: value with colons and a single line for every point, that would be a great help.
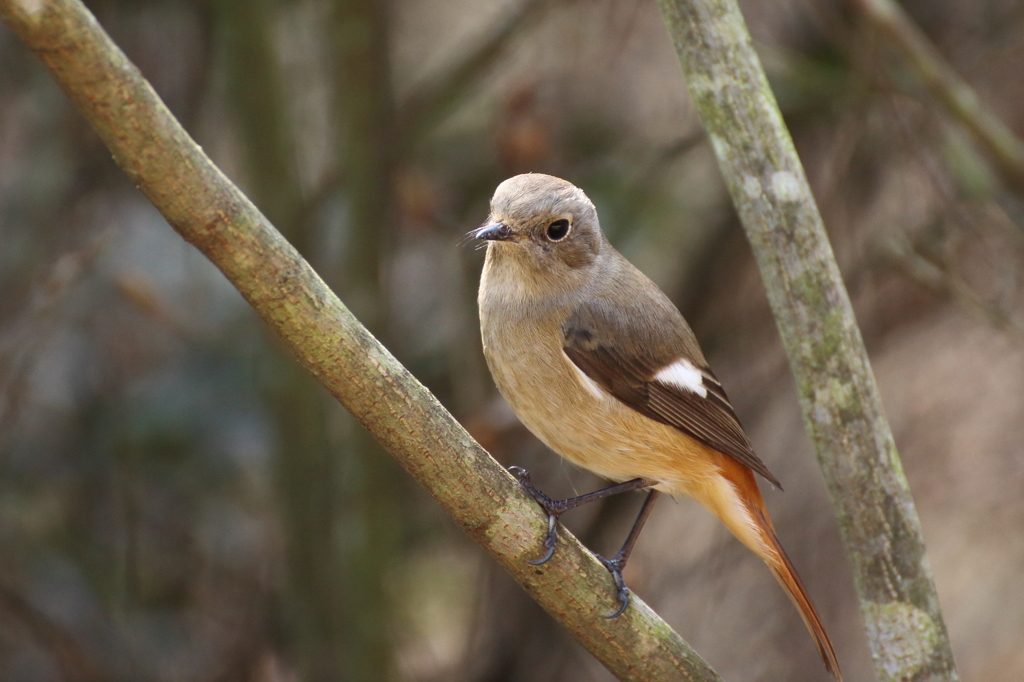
x: 367, y: 152
x: 305, y: 484
x: 841, y: 405
x: 366, y: 112
x: 305, y: 463
x: 259, y: 106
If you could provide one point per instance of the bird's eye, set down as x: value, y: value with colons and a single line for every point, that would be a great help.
x: 558, y: 229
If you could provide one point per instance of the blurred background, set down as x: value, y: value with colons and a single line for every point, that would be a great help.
x: 178, y: 501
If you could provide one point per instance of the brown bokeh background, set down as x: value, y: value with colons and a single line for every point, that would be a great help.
x: 179, y: 502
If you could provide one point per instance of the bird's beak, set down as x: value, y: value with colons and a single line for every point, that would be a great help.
x: 494, y: 232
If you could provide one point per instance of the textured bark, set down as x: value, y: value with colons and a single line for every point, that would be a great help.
x: 212, y: 214
x: 841, y: 406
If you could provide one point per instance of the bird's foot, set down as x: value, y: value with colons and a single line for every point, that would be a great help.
x: 554, y: 509
x: 615, y: 567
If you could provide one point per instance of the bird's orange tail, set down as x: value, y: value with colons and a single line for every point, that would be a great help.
x: 772, y: 553
x: 784, y: 572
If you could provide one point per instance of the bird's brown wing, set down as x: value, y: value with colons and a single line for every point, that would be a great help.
x: 628, y: 372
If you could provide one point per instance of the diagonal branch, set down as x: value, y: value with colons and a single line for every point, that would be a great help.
x: 212, y: 214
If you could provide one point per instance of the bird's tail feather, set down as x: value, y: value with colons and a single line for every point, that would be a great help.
x: 784, y: 572
x: 772, y: 553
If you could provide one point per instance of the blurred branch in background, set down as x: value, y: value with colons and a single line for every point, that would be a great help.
x: 75, y: 661
x: 259, y: 107
x: 431, y: 101
x: 961, y: 102
x: 367, y: 152
x: 841, y: 403
x: 209, y: 212
x: 308, y: 463
x: 370, y: 512
x: 34, y: 326
x: 944, y: 280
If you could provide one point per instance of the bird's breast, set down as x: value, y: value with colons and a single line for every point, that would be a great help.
x: 569, y: 411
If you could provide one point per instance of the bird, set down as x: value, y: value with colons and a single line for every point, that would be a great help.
x: 601, y: 366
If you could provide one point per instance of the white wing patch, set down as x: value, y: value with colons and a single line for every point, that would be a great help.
x: 682, y: 374
x: 591, y: 386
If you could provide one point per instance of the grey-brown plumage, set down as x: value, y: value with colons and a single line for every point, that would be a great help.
x: 601, y: 366
x: 623, y: 354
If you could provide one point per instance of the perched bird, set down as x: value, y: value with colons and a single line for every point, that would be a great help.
x: 598, y: 363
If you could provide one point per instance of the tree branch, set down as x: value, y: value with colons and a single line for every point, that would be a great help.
x: 212, y: 214
x: 841, y: 405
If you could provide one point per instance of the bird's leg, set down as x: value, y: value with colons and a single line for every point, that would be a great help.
x: 555, y: 508
x: 618, y: 562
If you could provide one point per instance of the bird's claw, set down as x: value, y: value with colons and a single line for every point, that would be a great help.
x: 547, y: 504
x: 614, y: 567
x: 555, y: 509
x: 520, y: 474
x: 550, y: 541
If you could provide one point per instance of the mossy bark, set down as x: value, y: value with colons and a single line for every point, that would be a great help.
x: 841, y: 405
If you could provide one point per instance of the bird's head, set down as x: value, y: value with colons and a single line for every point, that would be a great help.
x: 546, y: 224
